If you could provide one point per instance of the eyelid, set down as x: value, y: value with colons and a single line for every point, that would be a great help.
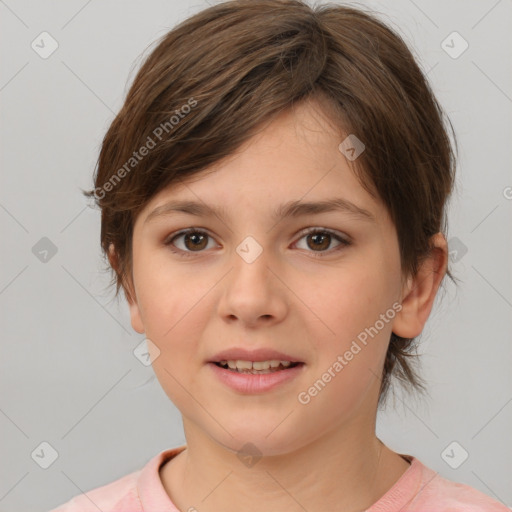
x: 344, y: 239
x: 305, y: 231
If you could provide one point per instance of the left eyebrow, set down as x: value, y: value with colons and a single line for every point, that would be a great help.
x: 290, y: 209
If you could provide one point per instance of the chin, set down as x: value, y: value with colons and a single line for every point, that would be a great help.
x: 258, y: 442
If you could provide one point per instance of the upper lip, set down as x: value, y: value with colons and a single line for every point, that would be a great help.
x: 260, y: 354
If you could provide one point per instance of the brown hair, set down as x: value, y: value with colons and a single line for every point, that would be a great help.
x: 212, y: 81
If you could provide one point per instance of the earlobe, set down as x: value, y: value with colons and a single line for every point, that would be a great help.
x: 112, y: 257
x: 135, y: 316
x: 420, y: 291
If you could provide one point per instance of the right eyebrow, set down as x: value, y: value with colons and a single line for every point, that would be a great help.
x: 294, y: 208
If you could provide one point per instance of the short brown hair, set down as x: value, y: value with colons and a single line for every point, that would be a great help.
x: 214, y: 79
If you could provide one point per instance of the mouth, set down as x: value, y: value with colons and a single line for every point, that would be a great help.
x: 256, y: 367
x: 256, y: 377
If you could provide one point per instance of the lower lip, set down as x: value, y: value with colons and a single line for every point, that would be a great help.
x: 252, y: 383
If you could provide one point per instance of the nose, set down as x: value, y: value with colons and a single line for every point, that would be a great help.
x: 253, y: 292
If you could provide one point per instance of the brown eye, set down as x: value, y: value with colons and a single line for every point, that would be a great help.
x: 319, y: 240
x: 194, y: 240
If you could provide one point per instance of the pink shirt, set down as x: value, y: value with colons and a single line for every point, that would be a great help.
x: 419, y: 489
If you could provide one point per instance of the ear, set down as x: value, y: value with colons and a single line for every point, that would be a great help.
x: 129, y: 293
x: 419, y: 292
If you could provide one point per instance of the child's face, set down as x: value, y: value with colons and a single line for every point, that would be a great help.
x: 309, y: 297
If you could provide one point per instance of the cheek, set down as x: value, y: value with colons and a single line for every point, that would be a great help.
x: 353, y: 301
x: 175, y: 303
x: 166, y: 292
x: 351, y: 306
x: 174, y: 308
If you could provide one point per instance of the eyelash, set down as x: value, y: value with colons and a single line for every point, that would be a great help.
x: 318, y: 254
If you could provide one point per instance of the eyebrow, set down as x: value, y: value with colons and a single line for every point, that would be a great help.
x: 289, y: 209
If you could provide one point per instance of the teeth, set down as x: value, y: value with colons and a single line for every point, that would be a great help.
x: 263, y: 366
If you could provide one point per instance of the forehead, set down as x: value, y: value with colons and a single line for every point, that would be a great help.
x: 291, y: 166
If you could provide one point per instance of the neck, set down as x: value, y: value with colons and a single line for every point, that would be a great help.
x: 334, y: 473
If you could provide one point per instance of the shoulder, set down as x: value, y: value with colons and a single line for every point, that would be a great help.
x: 449, y: 496
x: 137, y: 491
x: 112, y: 497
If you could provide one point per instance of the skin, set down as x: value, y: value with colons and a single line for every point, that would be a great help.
x: 320, y: 456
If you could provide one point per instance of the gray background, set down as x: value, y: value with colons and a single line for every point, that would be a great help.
x: 68, y: 373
